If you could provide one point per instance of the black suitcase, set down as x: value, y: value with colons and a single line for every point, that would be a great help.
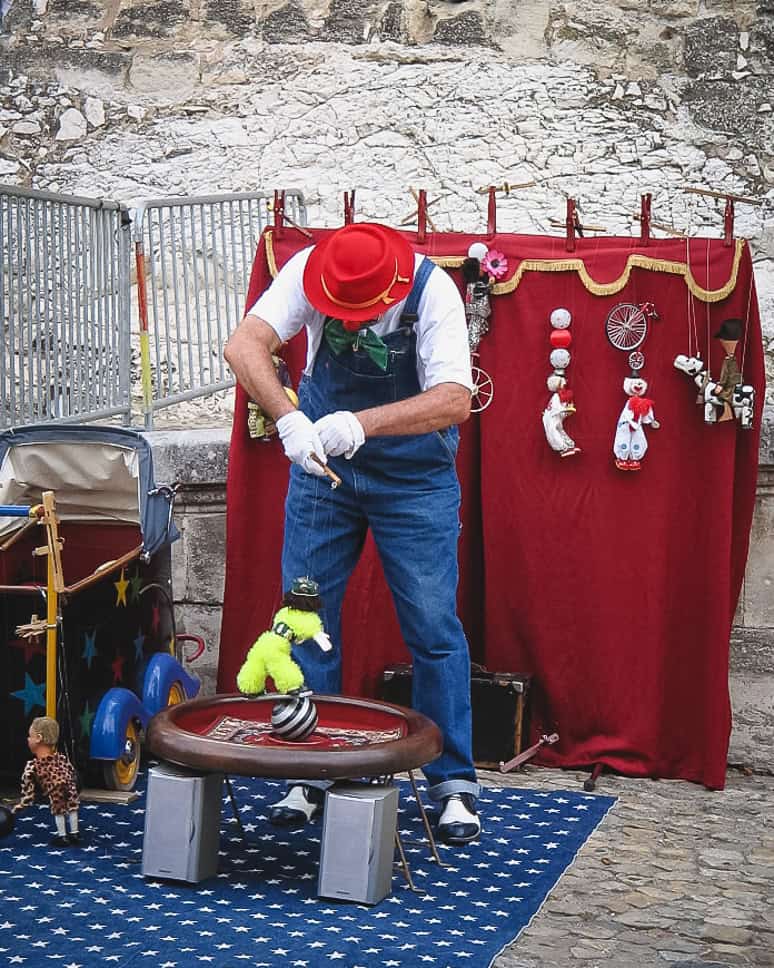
x: 500, y: 710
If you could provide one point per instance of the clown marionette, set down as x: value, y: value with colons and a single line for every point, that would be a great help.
x: 54, y: 775
x: 630, y: 443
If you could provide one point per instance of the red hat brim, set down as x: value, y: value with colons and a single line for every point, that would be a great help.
x: 313, y: 288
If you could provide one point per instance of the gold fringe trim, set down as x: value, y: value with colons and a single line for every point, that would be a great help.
x: 636, y: 260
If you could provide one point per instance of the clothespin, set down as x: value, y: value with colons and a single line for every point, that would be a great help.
x: 491, y: 219
x: 349, y: 207
x: 570, y: 225
x: 645, y: 201
x: 728, y: 221
x: 278, y: 210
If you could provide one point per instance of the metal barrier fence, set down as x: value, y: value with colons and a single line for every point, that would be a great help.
x: 68, y: 299
x: 194, y: 257
x: 64, y: 308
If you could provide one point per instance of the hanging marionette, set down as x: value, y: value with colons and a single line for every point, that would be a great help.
x: 561, y: 403
x: 626, y: 327
x: 294, y: 716
x: 729, y: 396
x: 631, y: 444
x: 479, y: 271
x: 736, y: 398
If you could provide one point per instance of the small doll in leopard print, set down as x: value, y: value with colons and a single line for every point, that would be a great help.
x: 54, y: 775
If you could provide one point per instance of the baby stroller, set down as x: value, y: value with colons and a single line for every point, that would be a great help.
x: 87, y: 630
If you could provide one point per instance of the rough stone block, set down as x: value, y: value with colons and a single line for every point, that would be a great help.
x: 204, y: 545
x: 288, y: 25
x: 346, y: 22
x: 711, y: 45
x: 204, y: 621
x: 158, y: 19
x: 169, y: 77
x: 465, y: 30
x: 236, y: 16
x: 391, y: 26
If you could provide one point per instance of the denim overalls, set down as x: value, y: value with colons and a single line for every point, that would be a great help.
x: 406, y: 489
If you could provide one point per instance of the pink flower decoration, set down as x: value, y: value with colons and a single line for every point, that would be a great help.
x: 494, y: 264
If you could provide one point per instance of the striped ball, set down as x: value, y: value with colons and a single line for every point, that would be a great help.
x: 294, y: 718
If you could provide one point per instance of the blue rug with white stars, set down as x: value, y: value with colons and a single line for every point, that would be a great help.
x: 85, y: 906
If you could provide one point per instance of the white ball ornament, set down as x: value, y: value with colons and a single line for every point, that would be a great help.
x: 477, y: 251
x: 560, y: 359
x: 560, y: 318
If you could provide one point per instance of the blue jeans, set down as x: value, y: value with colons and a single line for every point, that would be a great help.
x: 406, y: 490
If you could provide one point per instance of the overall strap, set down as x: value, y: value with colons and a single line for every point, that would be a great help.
x: 410, y: 311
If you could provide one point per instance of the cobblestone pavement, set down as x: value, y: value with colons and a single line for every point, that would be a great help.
x: 674, y: 875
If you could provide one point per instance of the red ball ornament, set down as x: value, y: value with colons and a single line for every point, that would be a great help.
x: 560, y: 339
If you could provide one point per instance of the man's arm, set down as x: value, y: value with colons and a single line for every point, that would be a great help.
x: 440, y: 406
x: 248, y: 352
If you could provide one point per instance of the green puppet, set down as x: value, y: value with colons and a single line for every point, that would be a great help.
x: 297, y: 621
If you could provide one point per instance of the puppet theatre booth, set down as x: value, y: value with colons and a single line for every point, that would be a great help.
x: 607, y: 491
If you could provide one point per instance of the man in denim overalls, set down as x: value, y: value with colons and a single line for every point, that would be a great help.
x: 387, y: 380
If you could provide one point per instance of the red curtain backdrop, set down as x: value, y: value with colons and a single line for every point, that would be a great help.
x: 614, y: 590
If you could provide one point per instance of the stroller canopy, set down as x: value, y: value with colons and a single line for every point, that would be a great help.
x: 96, y: 474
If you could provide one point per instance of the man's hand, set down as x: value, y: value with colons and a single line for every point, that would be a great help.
x: 340, y: 433
x: 300, y: 439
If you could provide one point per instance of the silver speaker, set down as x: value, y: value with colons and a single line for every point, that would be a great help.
x: 182, y: 824
x: 358, y: 842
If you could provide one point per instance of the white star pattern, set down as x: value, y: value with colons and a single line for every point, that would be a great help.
x: 262, y: 908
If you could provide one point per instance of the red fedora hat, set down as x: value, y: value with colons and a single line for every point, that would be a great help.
x: 359, y: 271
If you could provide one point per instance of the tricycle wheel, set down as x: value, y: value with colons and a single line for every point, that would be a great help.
x: 121, y: 774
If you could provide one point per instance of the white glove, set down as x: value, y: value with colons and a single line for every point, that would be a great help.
x: 340, y: 433
x: 300, y: 439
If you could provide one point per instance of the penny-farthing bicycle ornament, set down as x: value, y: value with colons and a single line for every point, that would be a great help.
x: 483, y: 387
x: 626, y: 325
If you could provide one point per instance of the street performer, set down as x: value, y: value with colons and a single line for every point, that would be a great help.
x: 387, y: 379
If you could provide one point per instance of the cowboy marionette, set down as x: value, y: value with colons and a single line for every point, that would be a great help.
x: 387, y: 380
x: 54, y: 776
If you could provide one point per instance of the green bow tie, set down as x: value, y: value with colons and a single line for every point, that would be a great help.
x: 340, y: 339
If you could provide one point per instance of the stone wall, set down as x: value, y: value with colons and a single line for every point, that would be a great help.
x: 598, y: 100
x: 602, y: 101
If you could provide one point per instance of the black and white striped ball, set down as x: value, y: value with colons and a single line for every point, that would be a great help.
x: 294, y: 718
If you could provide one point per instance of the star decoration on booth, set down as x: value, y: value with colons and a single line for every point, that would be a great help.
x: 139, y: 642
x: 135, y: 583
x: 90, y: 649
x: 155, y: 618
x: 85, y: 720
x: 121, y: 586
x: 117, y: 665
x: 31, y: 646
x: 33, y: 694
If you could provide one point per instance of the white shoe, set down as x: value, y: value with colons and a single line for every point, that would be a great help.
x: 459, y: 823
x: 297, y: 807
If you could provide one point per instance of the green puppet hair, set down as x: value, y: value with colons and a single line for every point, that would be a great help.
x: 271, y: 653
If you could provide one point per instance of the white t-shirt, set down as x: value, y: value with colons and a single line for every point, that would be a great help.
x: 443, y: 353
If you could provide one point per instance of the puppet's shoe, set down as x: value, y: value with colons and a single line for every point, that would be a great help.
x: 74, y: 839
x: 459, y: 823
x: 298, y: 806
x: 59, y: 842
